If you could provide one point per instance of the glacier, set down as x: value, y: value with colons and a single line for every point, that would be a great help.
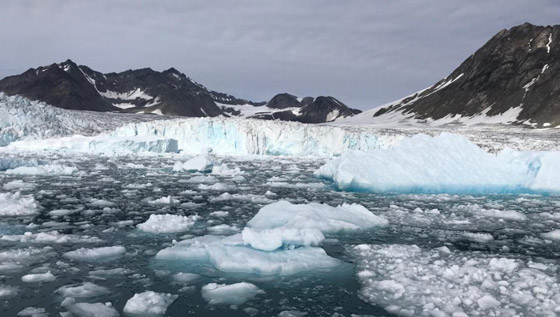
x: 447, y: 163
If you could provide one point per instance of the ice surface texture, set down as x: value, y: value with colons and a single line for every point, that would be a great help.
x: 447, y: 163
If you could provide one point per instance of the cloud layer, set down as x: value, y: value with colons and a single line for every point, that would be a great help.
x: 364, y: 52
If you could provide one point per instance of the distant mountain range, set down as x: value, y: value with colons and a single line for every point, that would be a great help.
x: 170, y: 92
x: 514, y: 78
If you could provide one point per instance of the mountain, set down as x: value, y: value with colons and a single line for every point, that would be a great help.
x: 514, y: 78
x: 170, y: 92
x: 287, y: 107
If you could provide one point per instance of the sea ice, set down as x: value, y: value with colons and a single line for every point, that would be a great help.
x: 233, y: 294
x: 167, y: 223
x: 89, y: 309
x: 149, y: 303
x: 412, y: 281
x: 33, y: 312
x: 82, y: 290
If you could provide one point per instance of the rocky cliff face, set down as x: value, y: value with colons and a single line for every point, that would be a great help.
x: 514, y: 75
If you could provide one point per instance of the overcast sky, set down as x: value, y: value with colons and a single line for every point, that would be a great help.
x: 365, y: 53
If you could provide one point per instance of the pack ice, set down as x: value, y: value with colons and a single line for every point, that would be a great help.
x: 447, y: 163
x: 281, y: 239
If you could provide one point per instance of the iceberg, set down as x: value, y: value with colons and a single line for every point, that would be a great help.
x: 281, y: 239
x: 447, y: 163
x: 38, y: 277
x: 48, y: 170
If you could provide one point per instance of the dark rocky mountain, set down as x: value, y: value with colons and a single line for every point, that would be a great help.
x: 307, y: 110
x: 514, y: 75
x: 170, y: 92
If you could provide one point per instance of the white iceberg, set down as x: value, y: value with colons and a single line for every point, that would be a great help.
x: 233, y: 294
x: 167, y: 223
x: 447, y: 163
x: 149, y: 303
x: 89, y: 309
x: 48, y: 170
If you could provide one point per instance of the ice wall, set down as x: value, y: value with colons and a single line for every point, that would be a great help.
x: 232, y: 136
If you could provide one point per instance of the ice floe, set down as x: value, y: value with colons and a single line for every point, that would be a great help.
x: 149, y: 303
x: 233, y: 294
x: 16, y: 204
x: 93, y: 254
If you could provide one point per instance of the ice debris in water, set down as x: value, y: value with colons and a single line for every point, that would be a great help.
x: 164, y: 201
x: 167, y: 223
x: 50, y: 237
x: 16, y: 204
x: 149, y: 303
x: 233, y: 294
x: 259, y: 249
x: 93, y: 254
x: 42, y: 170
x: 411, y: 281
x: 202, y: 163
x: 447, y: 163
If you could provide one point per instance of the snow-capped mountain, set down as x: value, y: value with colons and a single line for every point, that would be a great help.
x: 287, y: 107
x: 170, y: 92
x: 513, y: 78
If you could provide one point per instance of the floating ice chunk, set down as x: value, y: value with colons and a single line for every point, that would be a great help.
x: 101, y: 203
x: 17, y: 205
x: 39, y: 277
x: 552, y: 235
x: 292, y: 313
x: 223, y: 229
x: 219, y: 213
x: 229, y: 254
x: 447, y: 163
x: 478, y: 237
x: 252, y: 198
x: 48, y: 170
x: 201, y: 163
x: 18, y: 184
x: 224, y: 170
x: 149, y: 303
x: 167, y: 223
x: 33, y: 312
x: 110, y: 272
x: 93, y: 254
x: 62, y: 212
x: 82, y: 290
x: 283, y: 223
x: 185, y: 278
x: 216, y: 187
x: 90, y: 309
x: 233, y: 294
x: 164, y: 201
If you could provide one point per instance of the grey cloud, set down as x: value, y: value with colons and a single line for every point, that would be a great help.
x: 363, y: 52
